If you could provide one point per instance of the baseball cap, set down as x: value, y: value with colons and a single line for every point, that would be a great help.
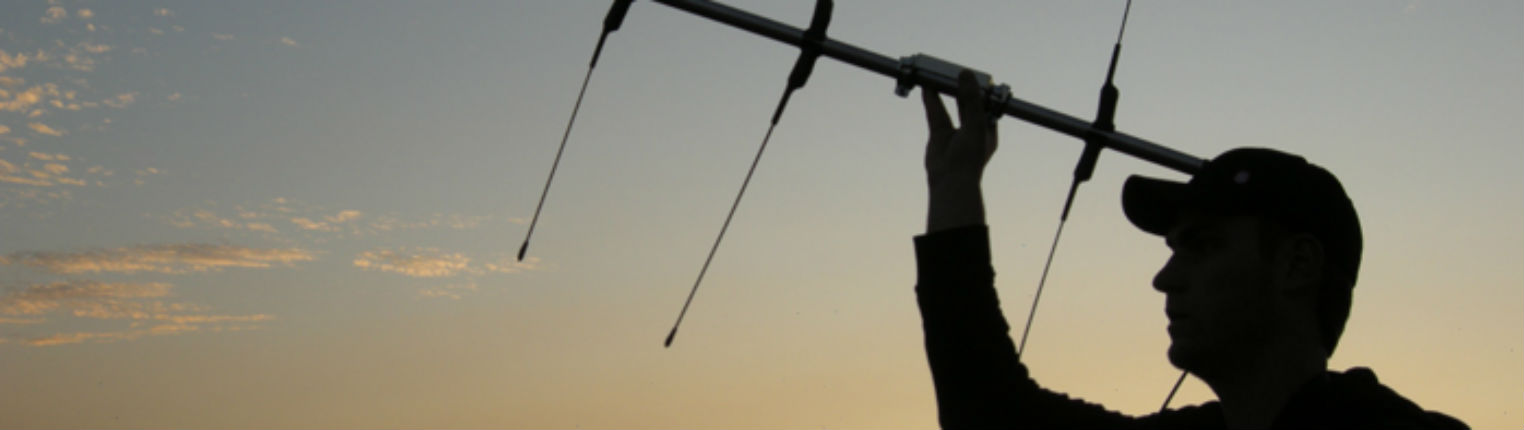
x: 1256, y: 181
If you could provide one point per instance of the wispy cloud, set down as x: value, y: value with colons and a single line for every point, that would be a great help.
x: 139, y: 303
x: 343, y: 216
x: 41, y: 128
x: 21, y: 101
x: 220, y: 36
x: 161, y: 258
x: 45, y: 298
x: 308, y: 224
x: 281, y: 214
x: 288, y: 42
x: 54, y: 15
x: 434, y: 263
x: 41, y: 169
x: 121, y: 100
x: 415, y: 262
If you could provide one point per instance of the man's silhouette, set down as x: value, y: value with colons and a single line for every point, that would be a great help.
x: 1266, y: 249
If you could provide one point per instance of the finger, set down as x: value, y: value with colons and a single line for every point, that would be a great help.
x: 936, y: 112
x: 970, y: 101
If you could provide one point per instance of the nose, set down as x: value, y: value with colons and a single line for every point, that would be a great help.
x: 1169, y: 278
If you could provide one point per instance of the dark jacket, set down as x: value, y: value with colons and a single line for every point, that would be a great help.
x: 981, y: 382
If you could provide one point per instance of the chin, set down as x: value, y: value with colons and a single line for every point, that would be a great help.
x: 1184, y: 357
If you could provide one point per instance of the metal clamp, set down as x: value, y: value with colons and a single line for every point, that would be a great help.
x: 920, y: 69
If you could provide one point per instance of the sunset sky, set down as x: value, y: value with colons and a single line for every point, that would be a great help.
x: 287, y: 214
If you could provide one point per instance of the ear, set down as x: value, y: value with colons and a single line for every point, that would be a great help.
x: 1299, y: 265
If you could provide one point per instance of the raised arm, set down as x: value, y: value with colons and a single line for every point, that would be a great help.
x: 979, y: 379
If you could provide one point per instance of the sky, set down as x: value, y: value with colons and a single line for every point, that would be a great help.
x: 304, y: 214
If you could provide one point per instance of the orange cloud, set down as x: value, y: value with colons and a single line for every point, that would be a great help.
x: 307, y: 224
x: 343, y: 216
x: 111, y: 301
x: 450, y: 291
x: 162, y: 258
x: 54, y: 14
x: 44, y: 298
x: 44, y: 129
x: 418, y: 262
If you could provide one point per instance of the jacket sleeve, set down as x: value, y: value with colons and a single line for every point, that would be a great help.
x: 980, y: 381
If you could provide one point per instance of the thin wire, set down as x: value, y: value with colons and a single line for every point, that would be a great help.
x: 1172, y: 391
x: 1125, y: 12
x: 557, y: 162
x: 1044, y: 280
x: 728, y: 217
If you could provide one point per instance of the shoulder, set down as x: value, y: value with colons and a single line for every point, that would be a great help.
x: 1359, y: 396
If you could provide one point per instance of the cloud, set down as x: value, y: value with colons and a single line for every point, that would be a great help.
x: 67, y: 338
x: 94, y: 48
x: 45, y: 298
x: 84, y: 13
x: 288, y: 42
x: 343, y: 216
x: 418, y: 262
x: 141, y: 306
x: 48, y: 157
x: 121, y: 100
x: 511, y: 265
x: 434, y: 263
x: 8, y: 173
x: 44, y: 129
x: 308, y: 224
x: 54, y: 14
x: 50, y: 172
x: 9, y: 81
x: 4, y: 129
x: 177, y: 258
x: 126, y: 335
x: 173, y: 96
x: 314, y: 221
x: 23, y: 100
x: 8, y: 61
x: 163, y: 12
x: 449, y: 291
x: 220, y: 36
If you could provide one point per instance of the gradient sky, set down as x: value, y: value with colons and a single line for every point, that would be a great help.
x: 304, y: 214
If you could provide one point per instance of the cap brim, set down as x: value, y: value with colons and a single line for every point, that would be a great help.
x: 1153, y: 204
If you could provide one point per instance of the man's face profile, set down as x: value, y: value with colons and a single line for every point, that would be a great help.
x: 1218, y: 287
